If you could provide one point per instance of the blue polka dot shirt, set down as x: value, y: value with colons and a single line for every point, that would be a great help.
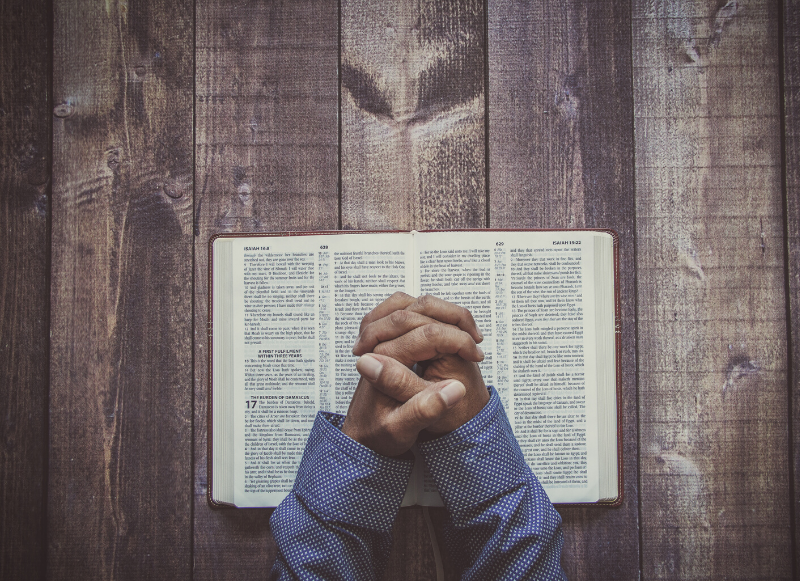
x: 337, y: 521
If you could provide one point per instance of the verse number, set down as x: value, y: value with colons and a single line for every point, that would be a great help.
x: 499, y: 243
x: 323, y: 247
x: 252, y: 403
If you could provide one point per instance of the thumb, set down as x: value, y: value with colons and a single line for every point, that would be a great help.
x: 428, y: 406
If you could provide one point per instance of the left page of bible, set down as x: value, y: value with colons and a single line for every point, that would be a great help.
x: 298, y: 302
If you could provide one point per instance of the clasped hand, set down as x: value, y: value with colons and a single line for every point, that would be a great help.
x: 392, y: 405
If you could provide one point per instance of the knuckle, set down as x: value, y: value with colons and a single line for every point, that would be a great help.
x: 406, y: 383
x: 367, y: 335
x: 464, y: 339
x: 365, y: 321
x: 385, y: 427
x: 399, y: 296
x: 422, y: 412
x: 426, y: 301
x: 389, y: 430
x: 465, y: 319
x: 432, y: 332
x: 399, y: 318
x: 389, y: 376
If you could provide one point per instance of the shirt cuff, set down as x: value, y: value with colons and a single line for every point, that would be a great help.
x: 478, y: 461
x: 345, y: 481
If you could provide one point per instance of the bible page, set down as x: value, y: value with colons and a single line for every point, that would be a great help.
x: 530, y: 293
x: 300, y: 300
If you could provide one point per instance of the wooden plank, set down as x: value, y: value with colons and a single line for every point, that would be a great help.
x: 24, y: 296
x: 791, y: 156
x: 413, y: 150
x: 413, y: 100
x: 561, y: 155
x: 266, y: 150
x: 120, y: 405
x: 712, y: 312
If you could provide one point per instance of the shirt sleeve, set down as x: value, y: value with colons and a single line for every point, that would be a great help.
x: 502, y: 524
x: 336, y: 523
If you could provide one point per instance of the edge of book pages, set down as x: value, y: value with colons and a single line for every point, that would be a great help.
x: 610, y: 503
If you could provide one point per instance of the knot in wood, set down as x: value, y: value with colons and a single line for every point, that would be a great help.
x: 112, y: 159
x: 63, y: 110
x: 172, y: 190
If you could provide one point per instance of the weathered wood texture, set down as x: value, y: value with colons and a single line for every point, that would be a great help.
x: 114, y: 495
x: 412, y: 111
x: 121, y: 351
x: 712, y: 316
x: 24, y: 285
x: 413, y: 150
x: 561, y: 155
x: 791, y: 159
x: 266, y: 159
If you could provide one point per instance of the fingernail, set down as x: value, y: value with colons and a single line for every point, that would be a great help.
x: 369, y: 367
x: 481, y: 353
x: 452, y: 393
x: 356, y: 343
x: 480, y: 335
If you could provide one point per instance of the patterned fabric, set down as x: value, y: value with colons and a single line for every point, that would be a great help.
x: 337, y: 521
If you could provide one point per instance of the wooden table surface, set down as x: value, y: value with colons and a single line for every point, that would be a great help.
x: 132, y: 131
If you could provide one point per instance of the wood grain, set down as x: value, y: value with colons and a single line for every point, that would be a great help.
x: 712, y: 316
x: 561, y: 156
x: 24, y: 285
x: 266, y: 147
x: 791, y: 159
x: 412, y: 109
x: 710, y: 239
x: 119, y: 497
x: 413, y: 150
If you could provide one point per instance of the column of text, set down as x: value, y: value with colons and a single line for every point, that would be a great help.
x: 548, y: 359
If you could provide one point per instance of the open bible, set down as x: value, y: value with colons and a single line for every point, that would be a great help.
x: 285, y: 310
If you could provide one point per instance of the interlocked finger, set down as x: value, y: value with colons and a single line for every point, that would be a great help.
x: 390, y: 327
x: 429, y: 342
x: 447, y: 312
x: 391, y: 377
x: 428, y: 306
x: 397, y: 302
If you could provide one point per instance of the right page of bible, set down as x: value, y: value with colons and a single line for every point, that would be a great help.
x: 532, y: 296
